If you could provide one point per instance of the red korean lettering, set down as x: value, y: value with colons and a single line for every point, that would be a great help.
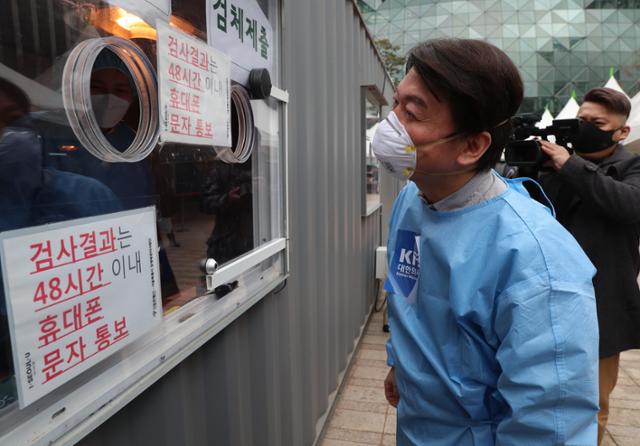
x: 204, y: 60
x: 42, y: 258
x: 52, y: 361
x: 176, y: 73
x: 46, y: 291
x: 185, y: 75
x: 195, y: 104
x: 173, y: 46
x: 94, y: 278
x: 72, y: 318
x: 67, y: 255
x: 186, y: 125
x: 174, y: 123
x: 41, y: 294
x: 92, y: 310
x: 75, y: 349
x: 183, y: 51
x: 199, y: 128
x: 196, y: 80
x: 185, y: 101
x: 107, y: 241
x: 103, y: 337
x: 120, y: 329
x: 55, y: 292
x: 49, y: 330
x: 174, y: 98
x: 75, y: 287
x: 88, y: 244
x: 194, y: 52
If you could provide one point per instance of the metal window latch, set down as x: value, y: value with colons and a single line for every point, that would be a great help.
x: 208, y: 267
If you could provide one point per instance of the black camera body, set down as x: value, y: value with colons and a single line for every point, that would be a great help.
x: 527, y: 153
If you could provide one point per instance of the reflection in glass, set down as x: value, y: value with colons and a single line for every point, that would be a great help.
x: 32, y: 193
x: 372, y: 117
x: 205, y: 207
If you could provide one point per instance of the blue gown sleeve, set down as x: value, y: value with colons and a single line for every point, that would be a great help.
x: 549, y: 359
x: 391, y: 237
x: 391, y: 359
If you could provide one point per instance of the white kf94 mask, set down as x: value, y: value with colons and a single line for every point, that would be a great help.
x: 109, y: 109
x: 394, y: 149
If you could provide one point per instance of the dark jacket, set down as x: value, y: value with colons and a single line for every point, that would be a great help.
x: 599, y: 204
x: 227, y: 194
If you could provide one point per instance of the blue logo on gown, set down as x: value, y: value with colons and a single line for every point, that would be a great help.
x: 404, y: 268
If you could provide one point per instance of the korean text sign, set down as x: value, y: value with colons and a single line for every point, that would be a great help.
x: 240, y: 28
x: 195, y: 87
x: 78, y: 292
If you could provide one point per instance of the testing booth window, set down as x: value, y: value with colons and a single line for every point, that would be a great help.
x: 81, y: 145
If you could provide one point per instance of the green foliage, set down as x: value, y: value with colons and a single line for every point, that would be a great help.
x: 393, y: 61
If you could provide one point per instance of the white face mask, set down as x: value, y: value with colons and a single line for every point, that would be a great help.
x: 394, y: 148
x: 109, y: 109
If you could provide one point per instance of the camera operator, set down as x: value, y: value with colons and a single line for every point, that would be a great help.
x: 596, y: 193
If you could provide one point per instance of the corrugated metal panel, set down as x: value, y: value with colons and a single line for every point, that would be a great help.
x: 266, y: 379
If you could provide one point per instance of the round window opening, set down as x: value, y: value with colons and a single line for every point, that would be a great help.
x: 111, y: 99
x: 243, y: 134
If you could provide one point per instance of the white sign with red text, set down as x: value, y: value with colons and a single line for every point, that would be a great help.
x: 194, y: 82
x: 76, y: 293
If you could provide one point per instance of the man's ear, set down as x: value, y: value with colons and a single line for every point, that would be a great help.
x: 474, y: 147
x: 624, y: 132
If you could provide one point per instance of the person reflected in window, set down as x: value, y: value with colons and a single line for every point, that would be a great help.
x: 227, y: 194
x: 115, y: 106
x: 32, y: 194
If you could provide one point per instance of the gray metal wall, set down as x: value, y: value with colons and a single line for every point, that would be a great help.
x: 266, y: 379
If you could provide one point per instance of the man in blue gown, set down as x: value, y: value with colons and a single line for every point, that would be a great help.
x: 494, y: 335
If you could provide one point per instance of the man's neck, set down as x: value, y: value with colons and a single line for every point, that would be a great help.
x: 436, y: 188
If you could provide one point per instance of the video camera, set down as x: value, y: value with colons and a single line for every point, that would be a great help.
x: 523, y: 152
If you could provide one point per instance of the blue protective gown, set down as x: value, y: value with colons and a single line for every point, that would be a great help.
x: 494, y: 334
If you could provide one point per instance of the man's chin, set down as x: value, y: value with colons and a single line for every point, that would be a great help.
x: 597, y: 155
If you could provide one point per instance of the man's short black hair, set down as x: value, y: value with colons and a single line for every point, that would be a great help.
x: 479, y: 82
x: 612, y: 100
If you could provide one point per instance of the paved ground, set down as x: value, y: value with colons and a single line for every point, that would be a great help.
x: 362, y: 415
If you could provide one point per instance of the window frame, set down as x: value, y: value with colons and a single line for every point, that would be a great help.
x: 70, y: 412
x: 373, y: 95
x: 73, y: 410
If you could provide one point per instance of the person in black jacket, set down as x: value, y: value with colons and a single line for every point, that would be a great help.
x: 596, y: 193
x: 227, y: 194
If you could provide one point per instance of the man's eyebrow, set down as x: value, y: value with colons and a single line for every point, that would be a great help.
x: 594, y: 118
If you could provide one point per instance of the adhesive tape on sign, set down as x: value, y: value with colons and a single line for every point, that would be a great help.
x: 76, y: 95
x: 246, y: 140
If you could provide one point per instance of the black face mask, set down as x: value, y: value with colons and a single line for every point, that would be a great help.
x: 591, y: 139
